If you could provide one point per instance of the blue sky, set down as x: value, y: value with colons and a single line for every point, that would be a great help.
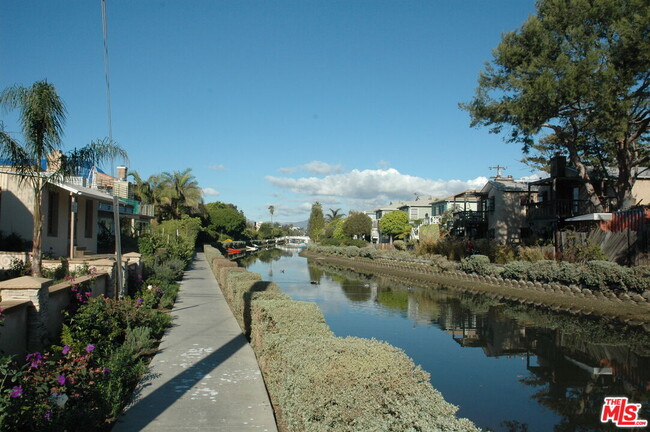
x: 351, y: 103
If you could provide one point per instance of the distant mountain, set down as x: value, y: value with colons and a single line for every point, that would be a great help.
x: 302, y: 224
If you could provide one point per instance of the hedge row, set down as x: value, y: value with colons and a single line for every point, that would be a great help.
x: 594, y: 275
x: 319, y: 382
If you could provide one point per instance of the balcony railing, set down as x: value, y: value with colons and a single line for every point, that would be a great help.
x: 559, y: 209
x: 470, y: 217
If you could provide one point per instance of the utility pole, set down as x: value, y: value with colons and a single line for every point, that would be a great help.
x: 498, y: 168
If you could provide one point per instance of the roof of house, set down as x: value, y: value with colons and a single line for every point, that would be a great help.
x: 84, y: 191
x: 505, y: 184
x: 424, y: 201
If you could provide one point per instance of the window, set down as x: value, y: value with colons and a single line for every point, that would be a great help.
x: 52, y: 214
x: 414, y: 213
x: 490, y: 204
x: 88, y: 227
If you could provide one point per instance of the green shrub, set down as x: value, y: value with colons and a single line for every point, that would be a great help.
x: 400, y: 245
x: 517, y: 270
x: 368, y: 252
x: 479, y: 264
x: 637, y: 279
x: 352, y: 251
x: 104, y: 323
x: 543, y: 271
x: 442, y: 264
x: 604, y: 275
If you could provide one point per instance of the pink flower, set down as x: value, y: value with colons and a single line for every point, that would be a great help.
x: 61, y: 379
x: 90, y: 348
x: 65, y: 350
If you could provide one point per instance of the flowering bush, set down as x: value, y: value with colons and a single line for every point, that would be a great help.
x: 52, y: 391
x: 105, y: 322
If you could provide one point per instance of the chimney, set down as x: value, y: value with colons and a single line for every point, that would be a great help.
x: 558, y: 166
x: 121, y: 173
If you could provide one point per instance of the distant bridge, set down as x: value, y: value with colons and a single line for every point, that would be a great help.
x: 295, y: 240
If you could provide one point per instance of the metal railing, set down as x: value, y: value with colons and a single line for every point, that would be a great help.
x: 562, y: 208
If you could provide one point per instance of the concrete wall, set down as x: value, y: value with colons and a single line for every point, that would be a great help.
x: 13, y: 334
x: 7, y: 259
x: 34, y: 311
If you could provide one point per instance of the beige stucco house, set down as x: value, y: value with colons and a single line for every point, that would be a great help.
x: 69, y: 214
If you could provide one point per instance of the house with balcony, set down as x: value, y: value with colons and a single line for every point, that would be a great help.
x: 469, y: 216
x: 497, y: 211
x: 417, y: 210
x: 561, y: 200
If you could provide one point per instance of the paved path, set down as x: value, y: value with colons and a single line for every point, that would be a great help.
x: 205, y: 376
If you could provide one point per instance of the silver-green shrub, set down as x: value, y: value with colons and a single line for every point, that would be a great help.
x: 442, y: 264
x: 517, y: 270
x: 358, y: 385
x: 368, y: 252
x: 352, y: 251
x: 604, y: 275
x: 479, y: 264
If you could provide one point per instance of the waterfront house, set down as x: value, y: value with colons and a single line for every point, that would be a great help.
x: 72, y: 210
x: 417, y: 210
x: 504, y: 201
x: 560, y: 200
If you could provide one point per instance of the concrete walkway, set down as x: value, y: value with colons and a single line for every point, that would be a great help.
x: 205, y: 376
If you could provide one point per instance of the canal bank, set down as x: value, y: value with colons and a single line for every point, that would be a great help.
x: 556, y: 297
x: 318, y: 381
x: 506, y: 365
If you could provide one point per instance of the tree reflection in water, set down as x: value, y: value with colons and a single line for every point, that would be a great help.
x: 574, y: 362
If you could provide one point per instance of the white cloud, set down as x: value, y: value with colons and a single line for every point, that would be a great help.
x: 217, y: 167
x: 210, y: 192
x: 533, y: 177
x: 314, y: 167
x: 381, y: 185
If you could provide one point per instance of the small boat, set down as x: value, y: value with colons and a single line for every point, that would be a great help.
x: 234, y: 251
x: 250, y: 249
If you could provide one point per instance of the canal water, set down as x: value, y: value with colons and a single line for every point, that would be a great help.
x: 508, y: 367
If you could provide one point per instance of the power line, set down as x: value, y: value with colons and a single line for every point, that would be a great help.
x: 107, y: 70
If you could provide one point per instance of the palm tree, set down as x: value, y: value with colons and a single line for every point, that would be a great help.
x: 180, y: 193
x: 142, y: 189
x: 271, y: 210
x: 42, y: 115
x: 334, y: 215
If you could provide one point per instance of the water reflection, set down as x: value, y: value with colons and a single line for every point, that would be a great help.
x: 509, y: 367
